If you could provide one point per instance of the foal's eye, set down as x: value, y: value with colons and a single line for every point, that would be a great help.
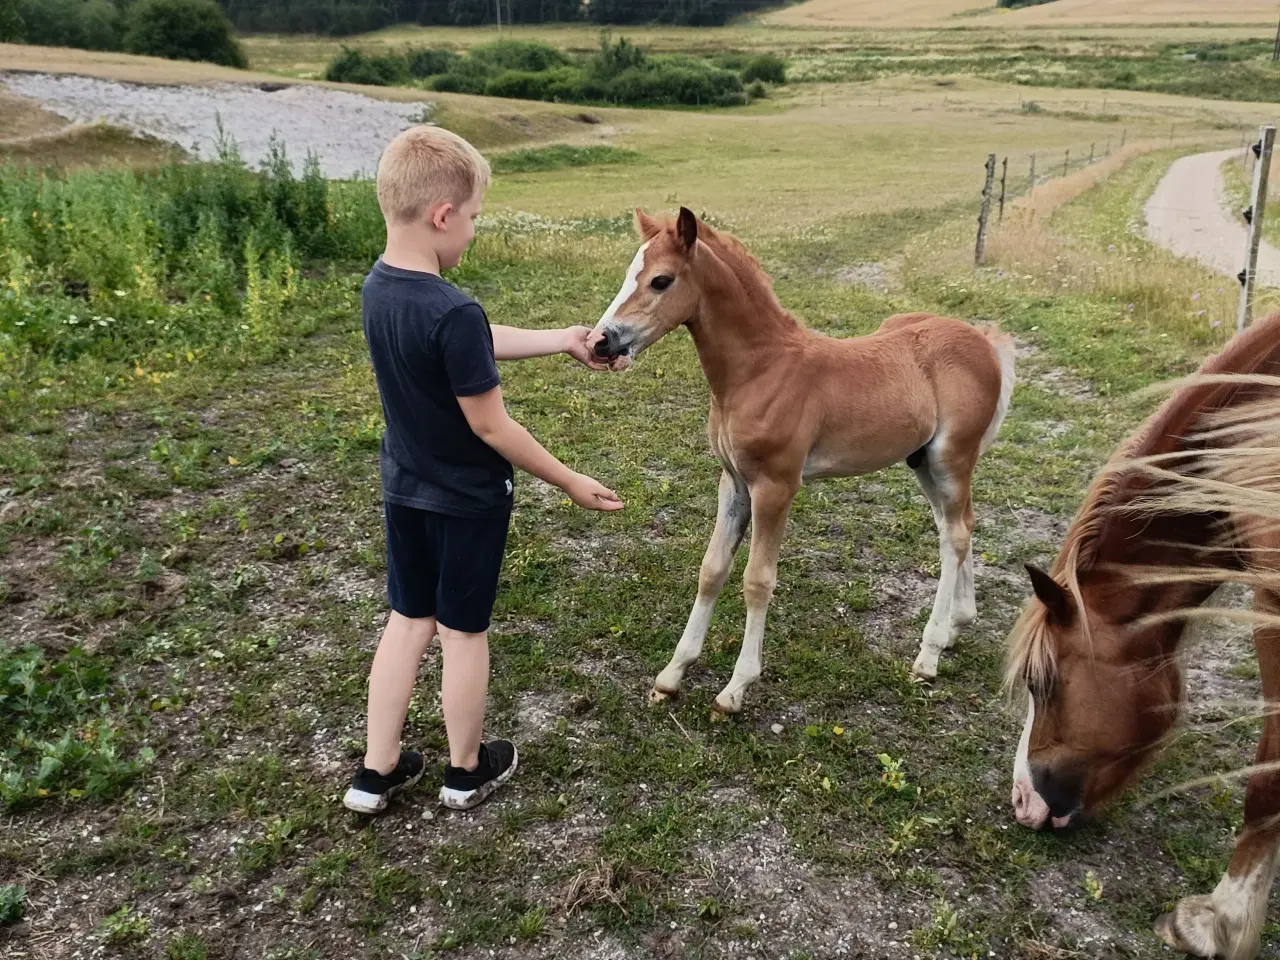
x: 661, y: 282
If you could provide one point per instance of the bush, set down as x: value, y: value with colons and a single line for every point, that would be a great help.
x: 355, y: 66
x: 466, y: 76
x: 757, y: 91
x: 430, y: 61
x: 766, y: 67
x: 523, y: 55
x: 677, y: 80
x: 613, y: 58
x: 183, y: 30
x: 518, y: 84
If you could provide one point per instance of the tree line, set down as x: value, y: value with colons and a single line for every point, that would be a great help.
x: 345, y: 17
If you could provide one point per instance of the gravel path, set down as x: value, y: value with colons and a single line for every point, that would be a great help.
x: 346, y: 131
x: 1188, y: 215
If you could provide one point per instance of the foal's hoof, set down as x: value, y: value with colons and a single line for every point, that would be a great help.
x: 658, y: 695
x: 925, y: 668
x: 718, y: 715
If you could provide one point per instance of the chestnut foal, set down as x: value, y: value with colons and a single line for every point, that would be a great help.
x: 789, y: 405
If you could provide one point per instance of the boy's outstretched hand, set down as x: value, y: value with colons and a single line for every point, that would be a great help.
x: 575, y: 345
x: 591, y: 495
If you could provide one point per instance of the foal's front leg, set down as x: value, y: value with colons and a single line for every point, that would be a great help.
x: 1228, y: 923
x: 731, y: 525
x: 770, y: 504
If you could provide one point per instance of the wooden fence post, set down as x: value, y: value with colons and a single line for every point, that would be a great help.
x: 1254, y: 216
x: 1004, y: 180
x: 985, y: 213
x: 1066, y: 164
x: 1033, y: 174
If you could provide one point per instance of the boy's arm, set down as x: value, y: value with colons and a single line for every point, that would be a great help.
x: 488, y: 418
x: 515, y: 343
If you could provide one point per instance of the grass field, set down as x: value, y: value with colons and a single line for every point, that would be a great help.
x: 191, y: 558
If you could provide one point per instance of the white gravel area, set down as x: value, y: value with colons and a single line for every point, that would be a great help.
x: 346, y: 131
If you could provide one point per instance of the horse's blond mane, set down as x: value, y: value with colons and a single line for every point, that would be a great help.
x: 1031, y: 656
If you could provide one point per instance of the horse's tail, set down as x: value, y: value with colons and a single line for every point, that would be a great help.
x: 1002, y: 343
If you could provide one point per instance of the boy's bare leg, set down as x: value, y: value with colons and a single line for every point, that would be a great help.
x: 463, y: 688
x: 391, y: 681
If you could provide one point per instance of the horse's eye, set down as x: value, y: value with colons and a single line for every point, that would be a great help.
x: 661, y: 283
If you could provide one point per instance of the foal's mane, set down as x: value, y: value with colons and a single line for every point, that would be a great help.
x: 1031, y: 656
x: 755, y: 283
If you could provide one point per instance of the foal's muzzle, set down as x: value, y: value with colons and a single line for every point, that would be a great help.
x: 609, y: 345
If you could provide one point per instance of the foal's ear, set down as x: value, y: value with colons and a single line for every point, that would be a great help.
x: 687, y: 228
x: 646, y: 226
x: 1053, y: 595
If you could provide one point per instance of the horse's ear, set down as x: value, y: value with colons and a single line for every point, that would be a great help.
x: 1053, y: 595
x: 646, y: 226
x: 687, y: 228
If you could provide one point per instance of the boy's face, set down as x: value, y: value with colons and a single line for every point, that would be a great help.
x: 455, y: 227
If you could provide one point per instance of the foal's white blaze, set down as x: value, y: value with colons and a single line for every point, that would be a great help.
x: 629, y: 286
x: 1029, y: 807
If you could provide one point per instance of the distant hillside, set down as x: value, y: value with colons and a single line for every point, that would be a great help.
x: 924, y: 13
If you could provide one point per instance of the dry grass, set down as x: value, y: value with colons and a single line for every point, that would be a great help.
x: 34, y: 135
x: 1047, y: 198
x: 88, y: 145
x: 935, y: 13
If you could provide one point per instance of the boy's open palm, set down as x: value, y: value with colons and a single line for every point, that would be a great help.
x: 591, y: 494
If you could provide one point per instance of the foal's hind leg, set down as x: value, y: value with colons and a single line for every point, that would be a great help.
x: 953, y: 604
x: 964, y: 608
x: 731, y: 525
x: 1228, y: 923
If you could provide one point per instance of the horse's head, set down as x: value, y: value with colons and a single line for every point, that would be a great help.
x: 658, y: 293
x: 1103, y: 696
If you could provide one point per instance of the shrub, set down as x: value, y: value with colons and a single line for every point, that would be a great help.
x: 430, y: 61
x: 757, y: 91
x: 518, y: 84
x: 613, y: 58
x: 523, y: 55
x: 378, y: 70
x: 682, y: 80
x: 183, y: 30
x: 466, y: 76
x: 766, y: 67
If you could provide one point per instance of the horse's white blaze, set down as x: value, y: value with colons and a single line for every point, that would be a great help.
x: 1021, y: 768
x: 1029, y: 807
x: 629, y: 285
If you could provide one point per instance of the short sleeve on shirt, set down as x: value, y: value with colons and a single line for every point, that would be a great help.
x: 466, y: 349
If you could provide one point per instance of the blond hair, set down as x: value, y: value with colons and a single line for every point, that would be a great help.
x: 424, y: 166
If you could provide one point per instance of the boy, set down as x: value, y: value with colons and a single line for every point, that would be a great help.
x: 446, y: 461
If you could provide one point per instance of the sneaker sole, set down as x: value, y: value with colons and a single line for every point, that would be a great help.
x: 470, y: 799
x: 361, y: 801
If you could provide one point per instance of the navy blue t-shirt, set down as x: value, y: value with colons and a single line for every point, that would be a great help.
x: 430, y: 344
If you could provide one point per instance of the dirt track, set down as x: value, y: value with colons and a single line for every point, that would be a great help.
x: 1188, y: 216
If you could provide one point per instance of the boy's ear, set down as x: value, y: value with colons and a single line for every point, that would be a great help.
x: 439, y: 214
x: 646, y: 226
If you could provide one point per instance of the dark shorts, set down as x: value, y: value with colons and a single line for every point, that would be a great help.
x: 444, y: 567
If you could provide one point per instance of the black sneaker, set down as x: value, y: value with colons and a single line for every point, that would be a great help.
x: 370, y: 791
x: 464, y: 789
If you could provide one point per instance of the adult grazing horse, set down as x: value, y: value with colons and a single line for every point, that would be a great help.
x: 789, y: 405
x: 1160, y: 529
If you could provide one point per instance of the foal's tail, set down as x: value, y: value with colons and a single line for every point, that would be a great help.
x: 1005, y: 352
